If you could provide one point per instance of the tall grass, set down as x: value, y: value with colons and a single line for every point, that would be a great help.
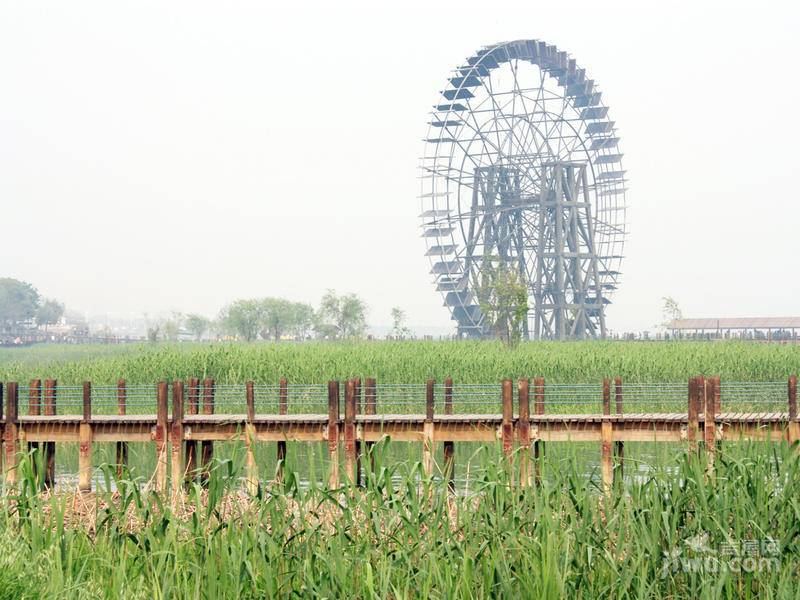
x: 403, y: 362
x: 403, y: 536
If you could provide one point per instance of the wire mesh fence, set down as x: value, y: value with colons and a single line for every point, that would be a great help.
x: 740, y: 396
x: 398, y: 398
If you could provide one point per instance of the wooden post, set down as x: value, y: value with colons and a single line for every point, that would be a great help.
x: 619, y: 445
x: 85, y: 439
x: 507, y: 426
x: 427, y: 431
x: 717, y: 408
x: 333, y: 433
x: 191, y: 445
x: 207, y: 445
x: 11, y: 432
x: 34, y: 410
x: 692, y: 416
x: 607, y: 433
x: 283, y: 409
x: 449, y: 446
x: 538, y: 444
x: 350, y: 430
x: 370, y: 408
x: 794, y: 427
x: 524, y: 432
x: 50, y: 387
x: 176, y: 439
x: 2, y: 431
x: 250, y: 440
x: 357, y: 400
x: 709, y: 422
x: 162, y: 410
x: 122, y: 409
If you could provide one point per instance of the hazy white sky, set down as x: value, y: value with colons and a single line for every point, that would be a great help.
x: 170, y: 155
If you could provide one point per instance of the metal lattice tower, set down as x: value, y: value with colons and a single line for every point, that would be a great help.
x: 568, y: 296
x: 522, y: 169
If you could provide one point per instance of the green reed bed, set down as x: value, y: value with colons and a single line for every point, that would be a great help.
x: 402, y: 362
x: 670, y: 534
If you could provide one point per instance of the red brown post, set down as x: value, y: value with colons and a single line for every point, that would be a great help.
x: 207, y: 445
x: 350, y: 430
x: 692, y: 416
x: 333, y: 433
x: 122, y: 410
x: 709, y: 423
x: 85, y: 439
x: 524, y: 431
x: 2, y: 429
x: 794, y: 426
x: 162, y: 412
x: 619, y: 445
x: 717, y: 405
x: 34, y: 410
x: 11, y: 432
x: 50, y: 447
x: 250, y: 396
x: 507, y: 426
x: 427, y: 429
x: 176, y: 438
x: 370, y: 408
x: 283, y: 409
x: 35, y: 399
x: 357, y: 394
x: 191, y: 445
x: 607, y: 432
x: 449, y: 446
x: 538, y: 444
x: 250, y: 439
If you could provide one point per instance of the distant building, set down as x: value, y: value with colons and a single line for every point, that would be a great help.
x: 768, y: 328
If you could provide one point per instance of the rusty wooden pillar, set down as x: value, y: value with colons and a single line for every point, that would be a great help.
x: 162, y: 412
x: 507, y: 423
x: 85, y: 439
x: 11, y: 432
x: 191, y: 445
x: 449, y: 446
x: 176, y: 439
x: 50, y: 392
x: 283, y: 409
x: 717, y: 410
x: 2, y: 430
x: 350, y: 430
x: 34, y: 410
x: 607, y: 434
x: 538, y: 444
x: 709, y: 421
x: 370, y: 408
x: 358, y: 429
x: 793, y: 431
x: 207, y: 445
x: 333, y: 433
x: 250, y: 440
x: 122, y: 409
x: 692, y: 417
x: 427, y: 430
x: 619, y: 445
x: 524, y: 431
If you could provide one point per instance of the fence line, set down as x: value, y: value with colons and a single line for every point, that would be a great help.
x: 185, y: 418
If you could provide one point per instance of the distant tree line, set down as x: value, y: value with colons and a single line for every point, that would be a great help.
x: 21, y: 305
x: 338, y: 317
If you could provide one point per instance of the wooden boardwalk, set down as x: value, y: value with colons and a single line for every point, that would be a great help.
x: 183, y: 437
